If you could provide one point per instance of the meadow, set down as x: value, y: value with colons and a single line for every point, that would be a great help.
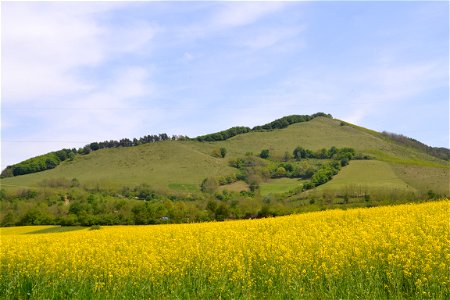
x: 371, y: 253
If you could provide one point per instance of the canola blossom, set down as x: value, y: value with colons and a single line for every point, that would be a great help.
x: 385, y: 252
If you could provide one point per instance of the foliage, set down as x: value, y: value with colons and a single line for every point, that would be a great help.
x: 223, y: 152
x: 38, y: 163
x: 264, y: 153
x: 223, y: 135
x: 209, y: 185
x: 219, y: 152
x: 289, y: 120
x: 332, y: 153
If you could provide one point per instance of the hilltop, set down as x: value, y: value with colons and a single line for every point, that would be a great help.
x: 357, y: 166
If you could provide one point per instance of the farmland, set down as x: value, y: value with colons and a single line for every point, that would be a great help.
x: 385, y: 252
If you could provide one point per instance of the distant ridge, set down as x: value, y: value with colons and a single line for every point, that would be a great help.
x: 439, y: 152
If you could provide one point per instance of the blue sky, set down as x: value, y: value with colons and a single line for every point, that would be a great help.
x: 78, y: 72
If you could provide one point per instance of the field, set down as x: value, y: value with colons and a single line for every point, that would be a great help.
x: 371, y: 175
x: 280, y: 185
x: 387, y: 252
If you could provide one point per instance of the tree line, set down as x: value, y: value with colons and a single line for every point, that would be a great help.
x: 277, y: 124
x: 439, y: 152
x: 39, y: 163
x: 125, y: 142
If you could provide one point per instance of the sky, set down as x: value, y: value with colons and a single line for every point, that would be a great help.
x: 77, y: 72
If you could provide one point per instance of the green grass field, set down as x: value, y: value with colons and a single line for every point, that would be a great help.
x: 237, y: 186
x: 367, y: 175
x: 279, y: 185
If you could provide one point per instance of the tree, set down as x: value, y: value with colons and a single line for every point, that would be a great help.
x: 299, y: 153
x: 344, y: 161
x: 94, y: 146
x: 264, y: 153
x: 253, y: 185
x: 51, y: 163
x: 85, y: 150
x: 222, y: 212
x: 280, y: 172
x: 8, y: 220
x: 211, y: 206
x: 71, y: 156
x: 209, y: 185
x: 223, y: 152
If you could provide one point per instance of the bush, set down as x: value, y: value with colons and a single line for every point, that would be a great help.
x: 264, y: 153
x: 209, y: 185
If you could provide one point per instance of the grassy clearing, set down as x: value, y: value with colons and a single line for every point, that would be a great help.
x: 367, y: 175
x: 237, y: 186
x: 184, y: 187
x: 424, y: 178
x: 388, y: 252
x: 279, y: 185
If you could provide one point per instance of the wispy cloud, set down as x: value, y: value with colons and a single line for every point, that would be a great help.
x: 85, y: 71
x: 52, y: 56
x: 226, y: 16
x: 45, y: 46
x: 271, y: 37
x: 232, y: 15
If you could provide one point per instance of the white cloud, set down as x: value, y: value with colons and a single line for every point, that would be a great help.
x: 44, y: 45
x: 271, y: 37
x: 109, y: 112
x: 243, y: 13
x: 188, y: 56
x: 229, y: 15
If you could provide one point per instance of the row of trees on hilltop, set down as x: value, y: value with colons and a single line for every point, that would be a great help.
x: 223, y: 135
x: 289, y: 120
x: 125, y: 142
x: 39, y: 163
x: 277, y: 124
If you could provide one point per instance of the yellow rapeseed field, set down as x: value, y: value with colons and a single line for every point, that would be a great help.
x: 398, y: 251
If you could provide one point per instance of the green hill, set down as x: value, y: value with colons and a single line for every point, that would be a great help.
x: 174, y: 170
x: 174, y: 164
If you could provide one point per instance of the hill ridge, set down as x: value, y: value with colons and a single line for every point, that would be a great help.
x: 53, y: 159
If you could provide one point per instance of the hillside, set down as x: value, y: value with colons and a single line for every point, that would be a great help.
x: 184, y: 164
x: 322, y: 163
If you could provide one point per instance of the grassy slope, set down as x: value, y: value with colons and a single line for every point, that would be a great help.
x: 371, y: 174
x: 160, y: 165
x: 178, y: 165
